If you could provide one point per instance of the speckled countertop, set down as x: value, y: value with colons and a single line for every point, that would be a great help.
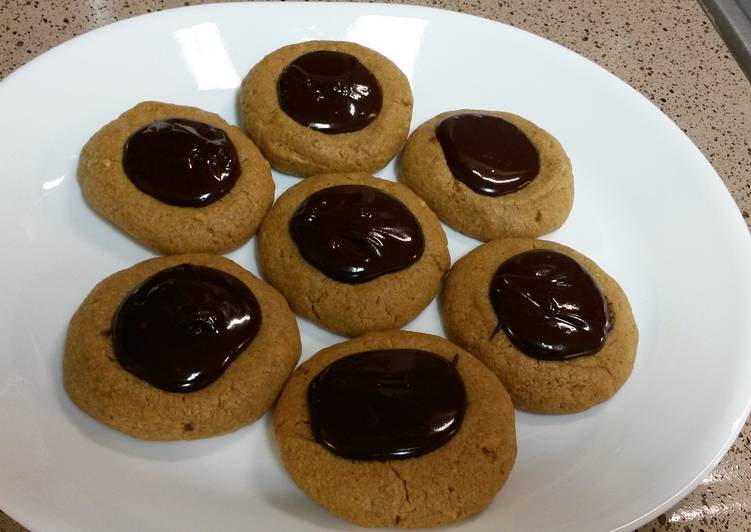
x: 667, y: 50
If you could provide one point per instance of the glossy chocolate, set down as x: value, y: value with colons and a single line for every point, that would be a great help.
x: 182, y: 327
x: 181, y: 162
x: 331, y: 92
x: 355, y: 233
x: 491, y: 156
x: 549, y: 306
x: 386, y: 404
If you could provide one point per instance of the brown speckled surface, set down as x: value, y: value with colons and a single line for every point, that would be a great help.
x: 667, y: 50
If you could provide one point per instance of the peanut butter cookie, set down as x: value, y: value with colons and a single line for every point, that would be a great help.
x: 180, y: 348
x: 489, y: 174
x: 177, y: 179
x: 396, y: 429
x: 352, y: 252
x: 555, y: 328
x: 326, y: 106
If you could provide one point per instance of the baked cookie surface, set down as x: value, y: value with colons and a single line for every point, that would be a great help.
x: 243, y: 391
x: 456, y: 480
x: 542, y: 382
x: 227, y: 220
x: 347, y: 299
x: 297, y: 149
x: 541, y: 204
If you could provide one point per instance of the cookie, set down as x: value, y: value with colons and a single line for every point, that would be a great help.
x: 326, y: 106
x: 177, y: 179
x: 404, y: 447
x: 556, y: 329
x: 353, y: 253
x: 207, y: 347
x: 489, y: 174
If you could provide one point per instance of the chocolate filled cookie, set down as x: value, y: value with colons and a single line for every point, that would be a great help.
x: 180, y: 347
x: 326, y: 106
x: 353, y: 253
x: 177, y: 179
x: 555, y: 328
x: 489, y: 174
x: 396, y: 429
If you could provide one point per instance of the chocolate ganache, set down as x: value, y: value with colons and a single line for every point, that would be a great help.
x: 386, y: 404
x: 181, y: 162
x: 331, y: 92
x: 490, y: 155
x: 549, y: 306
x: 355, y: 233
x: 181, y: 328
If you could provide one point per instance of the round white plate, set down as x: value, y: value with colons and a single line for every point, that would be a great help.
x: 649, y: 209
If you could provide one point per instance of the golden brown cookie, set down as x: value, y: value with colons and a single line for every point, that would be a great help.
x: 538, y: 208
x: 226, y: 223
x: 98, y: 384
x: 536, y: 384
x: 295, y: 148
x: 353, y: 306
x: 454, y: 481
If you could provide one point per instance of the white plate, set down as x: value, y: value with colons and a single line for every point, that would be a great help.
x: 649, y: 209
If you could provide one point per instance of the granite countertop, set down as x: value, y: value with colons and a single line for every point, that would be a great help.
x: 667, y: 50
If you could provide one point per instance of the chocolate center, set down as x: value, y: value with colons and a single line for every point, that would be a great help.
x: 549, y: 306
x: 355, y: 233
x: 386, y: 404
x: 330, y: 92
x: 182, y: 327
x: 181, y: 162
x: 491, y: 156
